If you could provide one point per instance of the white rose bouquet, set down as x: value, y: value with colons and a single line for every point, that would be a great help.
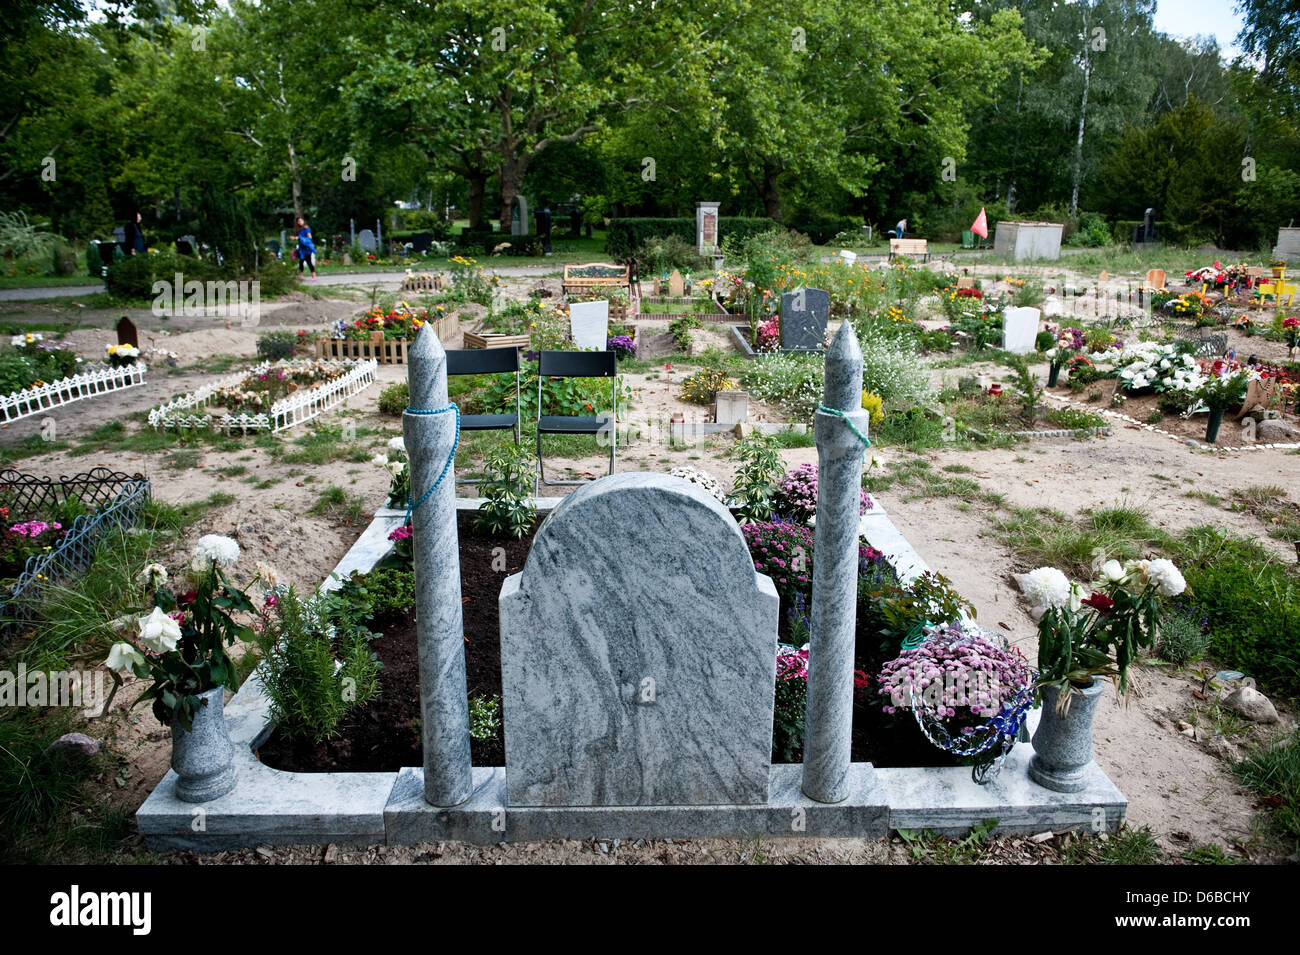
x: 182, y: 642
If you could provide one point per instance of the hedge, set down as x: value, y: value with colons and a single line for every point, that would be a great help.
x: 482, y: 242
x: 627, y: 235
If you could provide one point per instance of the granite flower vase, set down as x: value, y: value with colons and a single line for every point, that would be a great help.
x: 1063, y: 742
x: 203, y: 756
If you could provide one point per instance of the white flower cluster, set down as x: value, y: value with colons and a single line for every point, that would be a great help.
x: 152, y: 577
x: 29, y: 338
x: 1153, y: 365
x: 214, y: 549
x: 1046, y: 587
x: 123, y: 351
x: 393, y: 466
x: 703, y: 479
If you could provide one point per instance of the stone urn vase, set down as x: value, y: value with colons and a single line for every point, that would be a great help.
x: 1063, y: 743
x: 203, y: 756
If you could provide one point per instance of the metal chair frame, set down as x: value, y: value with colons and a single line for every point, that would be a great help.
x: 487, y: 361
x: 583, y: 364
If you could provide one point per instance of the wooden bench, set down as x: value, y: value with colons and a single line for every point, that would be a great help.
x: 919, y: 247
x: 580, y: 278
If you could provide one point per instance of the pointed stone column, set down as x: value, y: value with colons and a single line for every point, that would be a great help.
x: 440, y: 632
x: 829, y: 719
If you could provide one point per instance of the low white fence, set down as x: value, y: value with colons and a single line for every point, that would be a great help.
x: 95, y: 380
x: 293, y: 409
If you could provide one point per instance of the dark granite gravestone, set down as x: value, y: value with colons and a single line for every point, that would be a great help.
x: 804, y: 313
x: 126, y: 333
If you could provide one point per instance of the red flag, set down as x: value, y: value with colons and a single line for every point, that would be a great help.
x: 981, y: 225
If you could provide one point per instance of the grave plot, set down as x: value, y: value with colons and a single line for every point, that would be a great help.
x: 50, y: 375
x: 268, y: 397
x: 381, y: 334
x: 639, y: 689
x: 49, y: 529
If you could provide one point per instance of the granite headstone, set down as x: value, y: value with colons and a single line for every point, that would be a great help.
x: 126, y: 333
x: 366, y: 239
x: 638, y: 653
x: 804, y: 313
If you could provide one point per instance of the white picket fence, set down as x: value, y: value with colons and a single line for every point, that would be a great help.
x: 95, y: 380
x: 291, y: 410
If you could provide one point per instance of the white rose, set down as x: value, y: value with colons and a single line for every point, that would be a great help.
x: 124, y: 658
x: 397, y: 445
x: 380, y: 459
x: 1113, y: 571
x: 159, y: 632
x: 153, y: 575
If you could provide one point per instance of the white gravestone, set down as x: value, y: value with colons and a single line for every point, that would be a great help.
x: 589, y: 324
x: 366, y: 239
x: 1019, y: 329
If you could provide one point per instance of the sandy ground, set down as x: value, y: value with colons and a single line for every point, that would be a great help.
x: 1174, y: 785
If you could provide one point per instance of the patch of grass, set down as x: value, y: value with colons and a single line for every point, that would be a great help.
x: 182, y: 459
x: 1268, y: 502
x: 958, y: 469
x: 1210, y: 854
x: 1128, y: 847
x: 933, y: 849
x: 916, y: 473
x: 794, y: 439
x: 234, y: 470
x: 338, y: 505
x: 326, y: 443
x: 29, y: 447
x: 1046, y: 537
x: 1212, y: 499
x: 109, y: 433
x: 1273, y: 772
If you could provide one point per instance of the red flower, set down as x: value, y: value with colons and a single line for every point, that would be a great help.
x: 1100, y: 603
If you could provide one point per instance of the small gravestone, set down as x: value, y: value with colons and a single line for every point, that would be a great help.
x: 804, y: 313
x: 706, y: 227
x: 966, y: 281
x: 638, y: 653
x: 1019, y: 329
x: 676, y: 285
x: 848, y: 256
x: 730, y: 407
x: 126, y: 333
x: 589, y: 324
x: 366, y: 239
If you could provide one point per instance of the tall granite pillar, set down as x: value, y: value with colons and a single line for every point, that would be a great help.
x: 440, y: 635
x: 829, y: 719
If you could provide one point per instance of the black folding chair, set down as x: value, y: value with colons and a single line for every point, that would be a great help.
x: 486, y: 361
x: 577, y: 364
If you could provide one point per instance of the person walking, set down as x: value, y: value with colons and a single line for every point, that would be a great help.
x: 306, y: 248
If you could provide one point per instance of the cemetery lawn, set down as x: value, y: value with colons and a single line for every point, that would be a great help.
x: 976, y: 512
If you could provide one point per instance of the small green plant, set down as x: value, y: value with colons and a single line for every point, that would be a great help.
x: 383, y: 593
x: 1183, y: 639
x: 1028, y: 295
x: 317, y: 664
x: 395, y: 398
x: 508, y: 508
x: 761, y: 468
x: 1074, y: 418
x: 337, y: 504
x: 484, y: 717
x: 700, y: 388
x: 1273, y: 771
x: 276, y: 345
x: 681, y: 328
x: 1026, y: 387
x: 1210, y: 854
x: 874, y: 405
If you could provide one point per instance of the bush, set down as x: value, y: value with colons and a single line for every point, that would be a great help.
x: 1252, y: 603
x: 661, y: 254
x: 791, y: 704
x: 300, y: 645
x: 1074, y: 418
x: 700, y: 388
x: 384, y: 592
x: 624, y: 236
x: 796, y: 497
x: 1092, y: 232
x: 821, y: 228
x: 277, y: 345
x: 890, y: 369
x: 508, y: 508
x: 914, y: 428
x: 680, y: 329
x: 1183, y: 639
x: 132, y: 277
x: 395, y: 398
x: 795, y: 382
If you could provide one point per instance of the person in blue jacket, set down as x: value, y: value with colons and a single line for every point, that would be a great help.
x: 306, y: 248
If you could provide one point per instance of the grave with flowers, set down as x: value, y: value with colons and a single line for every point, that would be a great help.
x: 670, y: 662
x: 269, y: 397
x: 49, y: 374
x: 383, y: 335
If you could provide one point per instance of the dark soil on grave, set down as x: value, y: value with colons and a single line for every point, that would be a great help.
x: 385, y: 735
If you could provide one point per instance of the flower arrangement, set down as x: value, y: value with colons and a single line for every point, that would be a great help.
x: 700, y: 388
x: 796, y: 495
x: 1097, y: 631
x: 184, y: 637
x: 1159, y: 367
x: 957, y: 665
x: 403, y: 539
x: 400, y: 321
x: 1291, y: 328
x: 767, y: 337
x: 703, y: 478
x: 119, y: 356
x: 1222, y: 388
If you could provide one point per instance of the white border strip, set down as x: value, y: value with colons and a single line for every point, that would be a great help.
x: 285, y: 413
x: 99, y: 380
